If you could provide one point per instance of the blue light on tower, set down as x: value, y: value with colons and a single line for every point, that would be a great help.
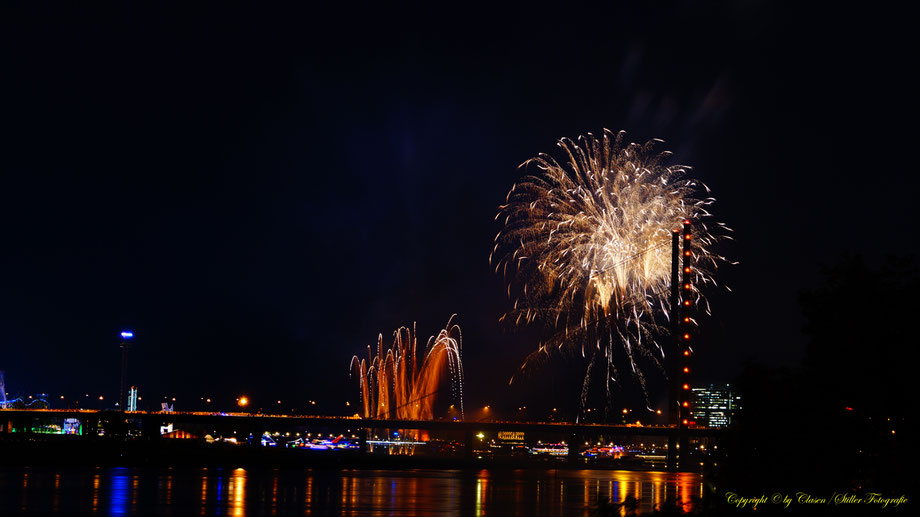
x: 127, y: 334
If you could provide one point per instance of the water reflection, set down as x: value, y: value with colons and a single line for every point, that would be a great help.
x: 135, y: 484
x: 164, y: 484
x: 118, y: 494
x: 482, y: 489
x: 275, y: 493
x: 25, y: 490
x: 55, y: 507
x: 204, y: 493
x: 240, y: 492
x: 97, y: 480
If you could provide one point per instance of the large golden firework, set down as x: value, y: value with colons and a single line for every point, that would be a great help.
x: 394, y: 384
x: 586, y: 245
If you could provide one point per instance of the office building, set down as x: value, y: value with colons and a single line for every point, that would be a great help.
x: 715, y: 405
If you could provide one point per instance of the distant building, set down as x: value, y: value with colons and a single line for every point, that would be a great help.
x: 71, y: 426
x: 715, y: 405
x: 132, y: 399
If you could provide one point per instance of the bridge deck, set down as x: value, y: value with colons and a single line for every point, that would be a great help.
x: 263, y: 421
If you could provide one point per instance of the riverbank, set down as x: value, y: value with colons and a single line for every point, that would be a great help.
x: 57, y: 450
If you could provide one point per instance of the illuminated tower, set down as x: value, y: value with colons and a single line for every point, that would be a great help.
x: 123, y: 393
x: 2, y: 391
x: 682, y: 301
x: 673, y: 409
x: 685, y: 350
x: 132, y: 399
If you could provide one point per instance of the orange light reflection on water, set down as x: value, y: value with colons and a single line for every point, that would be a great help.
x: 165, y: 490
x: 238, y: 488
x: 482, y: 493
x: 135, y: 483
x: 308, y: 496
x: 96, y: 481
x: 56, y: 505
x: 275, y: 493
x: 652, y: 490
x: 683, y: 484
x: 25, y: 491
x: 204, y: 495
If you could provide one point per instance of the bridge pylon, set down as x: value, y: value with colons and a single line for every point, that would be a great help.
x: 682, y: 303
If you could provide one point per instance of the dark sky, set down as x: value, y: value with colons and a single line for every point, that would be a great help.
x: 258, y: 193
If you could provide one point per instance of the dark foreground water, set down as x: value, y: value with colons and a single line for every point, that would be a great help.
x: 239, y: 492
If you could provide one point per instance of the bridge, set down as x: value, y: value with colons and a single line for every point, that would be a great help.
x: 461, y: 438
x: 11, y: 419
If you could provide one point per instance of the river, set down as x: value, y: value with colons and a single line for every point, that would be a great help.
x: 255, y: 492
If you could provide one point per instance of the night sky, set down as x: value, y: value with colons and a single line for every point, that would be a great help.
x: 258, y: 193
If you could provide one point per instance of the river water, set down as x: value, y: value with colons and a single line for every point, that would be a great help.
x: 239, y: 492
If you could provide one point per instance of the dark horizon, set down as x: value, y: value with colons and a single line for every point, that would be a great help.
x: 258, y: 195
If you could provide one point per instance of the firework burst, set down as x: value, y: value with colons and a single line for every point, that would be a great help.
x: 585, y: 247
x: 395, y: 384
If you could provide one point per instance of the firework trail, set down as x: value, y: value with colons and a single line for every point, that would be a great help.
x: 586, y: 248
x: 394, y: 384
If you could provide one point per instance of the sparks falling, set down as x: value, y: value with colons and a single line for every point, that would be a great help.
x: 585, y: 247
x: 394, y: 384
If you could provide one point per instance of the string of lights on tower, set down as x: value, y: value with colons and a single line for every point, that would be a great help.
x: 685, y: 351
x: 682, y: 303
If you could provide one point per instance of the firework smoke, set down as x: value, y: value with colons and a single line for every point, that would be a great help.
x: 394, y: 384
x: 585, y: 247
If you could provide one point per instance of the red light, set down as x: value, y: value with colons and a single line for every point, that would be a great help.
x: 686, y: 320
x: 685, y: 421
x: 687, y: 303
x: 686, y: 352
x: 675, y: 230
x: 686, y: 221
x: 686, y: 286
x: 686, y: 386
x: 687, y: 253
x: 848, y: 408
x: 686, y: 404
x: 686, y: 336
x: 686, y: 270
x: 686, y: 370
x: 687, y: 236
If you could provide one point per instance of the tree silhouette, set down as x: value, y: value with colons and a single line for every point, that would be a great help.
x: 843, y: 420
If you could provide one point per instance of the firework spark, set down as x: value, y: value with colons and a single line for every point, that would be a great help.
x: 394, y: 384
x: 585, y: 246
